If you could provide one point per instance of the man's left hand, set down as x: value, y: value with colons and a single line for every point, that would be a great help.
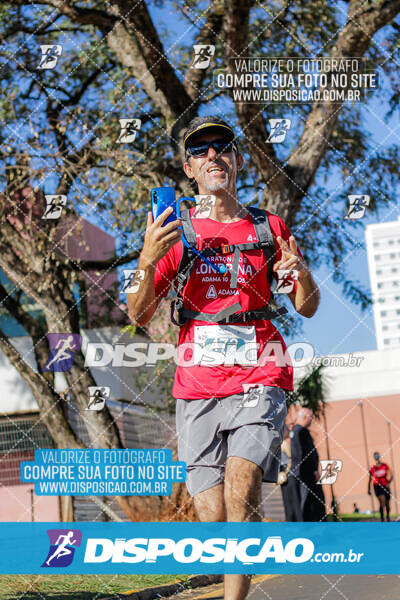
x: 290, y: 259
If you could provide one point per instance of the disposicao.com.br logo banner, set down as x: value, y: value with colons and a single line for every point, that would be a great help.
x: 30, y: 548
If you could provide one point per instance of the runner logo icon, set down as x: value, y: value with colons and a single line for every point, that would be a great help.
x: 129, y: 129
x: 286, y: 279
x: 204, y: 204
x: 97, y: 397
x: 357, y: 205
x: 63, y: 543
x: 62, y: 350
x: 132, y: 280
x: 278, y: 130
x: 252, y: 393
x: 330, y: 470
x: 50, y: 54
x: 202, y: 56
x: 54, y: 206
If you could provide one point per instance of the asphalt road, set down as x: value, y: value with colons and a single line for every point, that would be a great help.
x: 311, y: 587
x: 328, y: 587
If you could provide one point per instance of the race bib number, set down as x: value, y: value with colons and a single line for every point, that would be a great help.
x: 225, y: 345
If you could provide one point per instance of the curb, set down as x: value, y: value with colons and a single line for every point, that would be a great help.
x: 163, y: 591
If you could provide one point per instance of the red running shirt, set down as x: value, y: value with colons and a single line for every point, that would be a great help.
x: 210, y: 292
x: 379, y: 474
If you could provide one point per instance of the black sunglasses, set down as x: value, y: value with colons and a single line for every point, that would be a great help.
x: 221, y: 147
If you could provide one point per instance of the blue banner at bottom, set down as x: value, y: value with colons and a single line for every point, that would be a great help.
x: 286, y: 548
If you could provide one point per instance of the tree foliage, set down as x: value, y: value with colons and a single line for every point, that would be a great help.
x: 310, y: 392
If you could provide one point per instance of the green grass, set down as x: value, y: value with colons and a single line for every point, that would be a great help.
x: 361, y: 517
x: 76, y: 587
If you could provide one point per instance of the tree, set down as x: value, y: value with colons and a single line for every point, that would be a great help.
x: 61, y: 126
x: 310, y: 392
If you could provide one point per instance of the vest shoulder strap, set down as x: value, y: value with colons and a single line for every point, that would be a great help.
x: 187, y: 260
x: 264, y: 236
x: 188, y: 228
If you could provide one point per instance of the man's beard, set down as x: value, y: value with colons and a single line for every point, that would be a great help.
x: 214, y: 187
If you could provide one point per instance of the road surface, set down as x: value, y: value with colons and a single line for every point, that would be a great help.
x: 311, y: 587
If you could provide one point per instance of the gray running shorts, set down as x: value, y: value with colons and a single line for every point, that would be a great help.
x: 211, y: 430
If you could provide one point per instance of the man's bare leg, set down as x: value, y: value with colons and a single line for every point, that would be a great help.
x: 242, y: 492
x: 210, y: 504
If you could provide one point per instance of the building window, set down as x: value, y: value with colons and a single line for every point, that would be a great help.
x: 391, y: 242
x: 394, y: 270
x: 386, y: 342
x: 379, y: 285
x: 375, y: 244
x: 385, y: 328
x: 392, y: 255
x: 377, y: 257
x: 383, y: 313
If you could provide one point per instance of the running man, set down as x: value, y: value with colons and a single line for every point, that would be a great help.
x: 381, y: 477
x: 62, y: 542
x: 229, y: 446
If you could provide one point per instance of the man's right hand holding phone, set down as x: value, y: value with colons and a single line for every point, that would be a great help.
x: 159, y: 239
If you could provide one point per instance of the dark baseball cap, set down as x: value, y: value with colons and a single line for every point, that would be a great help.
x: 208, y: 124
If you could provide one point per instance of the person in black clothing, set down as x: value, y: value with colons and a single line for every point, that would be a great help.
x: 305, y: 495
x: 284, y: 473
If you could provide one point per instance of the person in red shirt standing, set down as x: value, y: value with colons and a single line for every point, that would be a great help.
x: 381, y: 477
x: 229, y: 438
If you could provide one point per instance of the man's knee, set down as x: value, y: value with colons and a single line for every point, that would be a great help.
x: 243, y: 480
x: 210, y: 504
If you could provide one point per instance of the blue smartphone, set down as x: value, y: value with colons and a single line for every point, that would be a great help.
x: 161, y: 199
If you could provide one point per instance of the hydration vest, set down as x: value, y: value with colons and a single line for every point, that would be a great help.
x: 180, y: 315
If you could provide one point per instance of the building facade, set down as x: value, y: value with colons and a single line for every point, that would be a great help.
x: 383, y: 251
